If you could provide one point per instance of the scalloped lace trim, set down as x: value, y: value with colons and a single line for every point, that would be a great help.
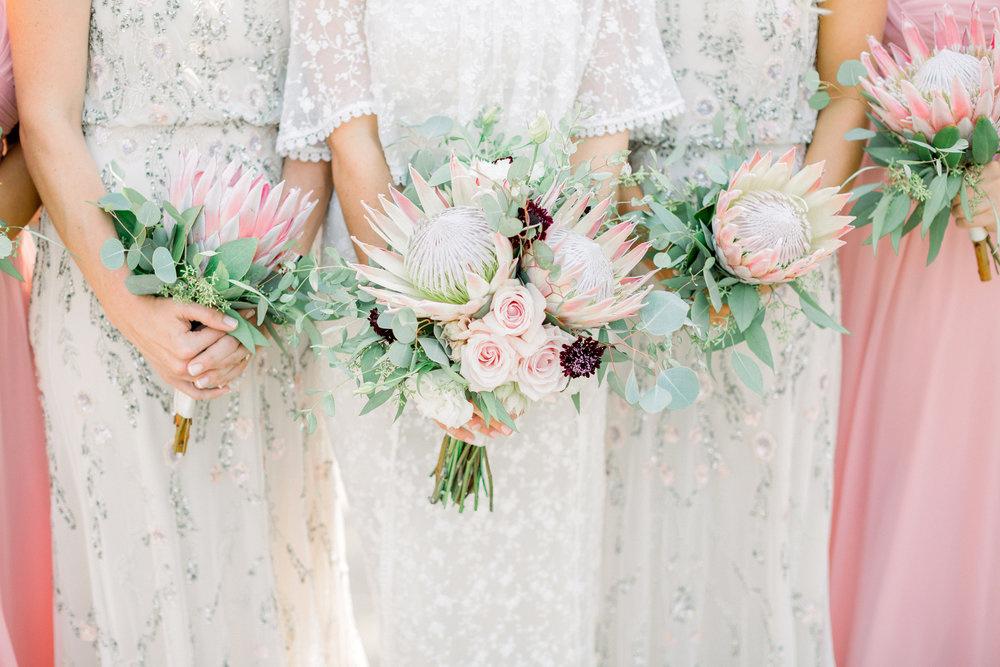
x: 642, y: 119
x: 310, y: 146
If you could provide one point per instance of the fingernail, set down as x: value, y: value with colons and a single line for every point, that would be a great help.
x: 229, y: 322
x: 201, y: 383
x: 195, y: 369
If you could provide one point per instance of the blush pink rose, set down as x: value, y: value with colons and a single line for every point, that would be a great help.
x: 488, y: 360
x: 516, y: 309
x: 540, y: 374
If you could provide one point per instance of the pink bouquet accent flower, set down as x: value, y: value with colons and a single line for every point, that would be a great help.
x: 488, y: 359
x: 237, y: 204
x: 592, y: 286
x: 924, y: 90
x: 772, y: 225
x: 444, y: 261
x: 541, y: 374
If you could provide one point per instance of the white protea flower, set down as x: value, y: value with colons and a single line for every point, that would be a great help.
x: 444, y: 260
x: 593, y: 286
x: 773, y: 224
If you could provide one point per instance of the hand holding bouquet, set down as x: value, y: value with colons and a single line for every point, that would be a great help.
x: 935, y: 113
x: 223, y: 240
x: 728, y: 245
x: 502, y: 284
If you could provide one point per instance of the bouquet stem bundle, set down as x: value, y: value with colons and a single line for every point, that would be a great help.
x: 462, y: 470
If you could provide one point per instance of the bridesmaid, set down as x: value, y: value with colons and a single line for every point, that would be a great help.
x: 223, y: 557
x: 716, y: 547
x: 25, y: 553
x: 916, y: 540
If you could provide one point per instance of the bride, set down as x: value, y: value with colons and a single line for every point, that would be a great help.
x: 518, y: 585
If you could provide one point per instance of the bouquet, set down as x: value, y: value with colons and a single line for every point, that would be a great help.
x: 223, y: 240
x: 935, y: 113
x: 726, y: 247
x: 503, y: 284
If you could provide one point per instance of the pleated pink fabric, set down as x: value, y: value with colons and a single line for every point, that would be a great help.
x: 915, y: 553
x: 8, y: 108
x: 25, y: 551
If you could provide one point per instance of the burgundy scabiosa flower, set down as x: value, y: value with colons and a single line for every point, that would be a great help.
x: 384, y: 334
x: 581, y: 358
x: 535, y: 214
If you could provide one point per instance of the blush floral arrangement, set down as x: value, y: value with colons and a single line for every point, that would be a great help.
x: 935, y: 113
x: 504, y: 281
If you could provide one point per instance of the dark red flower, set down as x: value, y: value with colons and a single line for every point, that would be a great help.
x: 384, y: 334
x: 536, y: 216
x: 581, y: 358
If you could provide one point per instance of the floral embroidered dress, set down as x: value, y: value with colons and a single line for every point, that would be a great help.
x: 227, y: 556
x: 518, y: 586
x: 718, y: 515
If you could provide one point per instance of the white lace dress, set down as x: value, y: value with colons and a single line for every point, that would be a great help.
x: 229, y: 556
x: 718, y: 516
x: 518, y: 586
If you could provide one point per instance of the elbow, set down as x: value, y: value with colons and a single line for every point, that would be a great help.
x: 43, y: 130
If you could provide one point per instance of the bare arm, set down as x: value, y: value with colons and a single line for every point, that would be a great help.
x: 360, y: 173
x: 314, y: 177
x: 50, y: 87
x: 842, y: 36
x: 18, y: 197
x: 598, y: 151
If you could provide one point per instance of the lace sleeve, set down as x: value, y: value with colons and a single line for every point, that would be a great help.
x: 328, y: 81
x: 627, y: 83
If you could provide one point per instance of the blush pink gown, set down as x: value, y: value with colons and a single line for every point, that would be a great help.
x: 915, y: 552
x: 25, y: 553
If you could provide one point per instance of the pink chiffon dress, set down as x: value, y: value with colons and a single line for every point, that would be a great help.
x: 25, y: 553
x: 915, y: 552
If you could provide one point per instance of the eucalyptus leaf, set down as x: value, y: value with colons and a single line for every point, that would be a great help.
x: 655, y: 399
x: 143, y: 284
x: 8, y: 267
x: 149, y: 214
x: 632, y: 388
x: 748, y: 371
x: 756, y: 340
x: 851, y: 72
x: 744, y: 302
x: 163, y: 266
x: 812, y: 310
x: 935, y: 201
x: 114, y: 201
x: 663, y: 313
x: 112, y: 254
x: 819, y: 100
x: 400, y: 354
x: 404, y: 326
x: 434, y: 351
x: 682, y: 385
x: 7, y: 247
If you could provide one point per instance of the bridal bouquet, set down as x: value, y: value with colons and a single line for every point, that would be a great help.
x: 728, y: 246
x: 503, y: 284
x: 223, y: 240
x: 935, y: 113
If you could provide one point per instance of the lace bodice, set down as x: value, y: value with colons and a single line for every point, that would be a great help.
x: 228, y: 57
x: 408, y: 62
x: 745, y: 58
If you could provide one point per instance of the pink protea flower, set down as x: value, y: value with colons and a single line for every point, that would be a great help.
x: 593, y: 286
x: 444, y: 260
x: 924, y: 90
x: 773, y: 225
x: 237, y: 204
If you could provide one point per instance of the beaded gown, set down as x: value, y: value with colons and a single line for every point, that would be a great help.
x: 518, y: 586
x: 229, y: 555
x: 718, y: 515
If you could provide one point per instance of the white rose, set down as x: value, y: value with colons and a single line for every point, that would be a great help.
x: 488, y: 360
x: 541, y: 374
x: 437, y: 396
x: 494, y: 171
x: 512, y: 399
x: 516, y: 308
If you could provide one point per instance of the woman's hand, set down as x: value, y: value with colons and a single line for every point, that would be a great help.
x: 475, y: 429
x: 984, y: 215
x: 224, y: 361
x: 161, y: 329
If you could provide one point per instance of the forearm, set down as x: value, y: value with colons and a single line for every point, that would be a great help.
x: 18, y: 197
x: 314, y: 177
x: 842, y: 157
x: 602, y: 153
x: 67, y: 179
x: 360, y: 173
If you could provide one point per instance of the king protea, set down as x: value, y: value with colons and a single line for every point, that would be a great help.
x: 773, y: 225
x: 923, y: 90
x: 592, y: 286
x: 237, y: 204
x: 444, y: 260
